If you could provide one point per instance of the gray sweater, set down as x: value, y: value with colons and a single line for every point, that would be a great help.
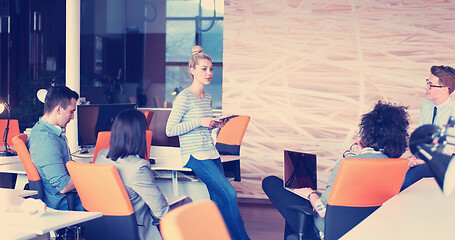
x: 148, y: 202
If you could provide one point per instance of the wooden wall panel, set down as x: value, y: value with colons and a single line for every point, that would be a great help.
x: 305, y: 71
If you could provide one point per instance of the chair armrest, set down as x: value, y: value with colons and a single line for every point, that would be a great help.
x: 303, y: 209
x: 71, y: 199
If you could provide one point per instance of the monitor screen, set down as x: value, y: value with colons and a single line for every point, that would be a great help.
x: 94, y: 118
x: 158, y: 127
x: 299, y: 170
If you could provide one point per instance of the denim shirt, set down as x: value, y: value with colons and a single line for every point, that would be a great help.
x: 49, y: 152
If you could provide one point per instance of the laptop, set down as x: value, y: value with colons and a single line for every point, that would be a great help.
x: 299, y: 170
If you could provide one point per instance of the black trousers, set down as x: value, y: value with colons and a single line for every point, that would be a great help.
x: 281, y: 198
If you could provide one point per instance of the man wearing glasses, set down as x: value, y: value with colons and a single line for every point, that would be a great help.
x: 437, y: 107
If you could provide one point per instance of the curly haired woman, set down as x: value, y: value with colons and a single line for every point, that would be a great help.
x: 383, y: 134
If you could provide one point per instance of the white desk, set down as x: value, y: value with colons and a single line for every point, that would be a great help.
x: 17, y: 223
x: 13, y: 165
x: 13, y: 197
x: 167, y: 159
x: 51, y: 220
x: 13, y: 193
x: 8, y: 234
x: 15, y: 168
x: 168, y: 164
x: 9, y: 159
x: 419, y: 212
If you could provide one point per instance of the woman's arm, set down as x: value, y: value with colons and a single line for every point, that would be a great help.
x: 314, y: 199
x: 149, y: 192
x: 175, y: 126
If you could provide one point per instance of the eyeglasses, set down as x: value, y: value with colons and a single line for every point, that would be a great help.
x: 433, y: 86
x: 352, y: 151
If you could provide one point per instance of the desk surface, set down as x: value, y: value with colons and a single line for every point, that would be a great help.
x: 16, y: 221
x: 7, y: 233
x: 11, y: 164
x: 12, y: 168
x: 166, y: 158
x: 13, y: 197
x: 18, y: 225
x: 49, y: 221
x: 9, y: 159
x: 419, y: 212
x: 168, y: 164
x: 8, y: 193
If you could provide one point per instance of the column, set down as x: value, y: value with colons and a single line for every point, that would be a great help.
x: 72, y: 68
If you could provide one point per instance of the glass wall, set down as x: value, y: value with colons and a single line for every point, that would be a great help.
x: 131, y: 50
x: 190, y: 22
x: 32, y: 54
x: 138, y: 51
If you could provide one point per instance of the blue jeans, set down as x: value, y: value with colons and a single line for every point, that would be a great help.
x: 221, y: 192
x: 416, y: 173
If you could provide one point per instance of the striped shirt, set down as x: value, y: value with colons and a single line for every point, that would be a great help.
x: 184, y: 122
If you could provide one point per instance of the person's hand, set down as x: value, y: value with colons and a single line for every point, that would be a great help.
x: 221, y: 122
x: 208, y: 122
x: 316, y: 202
x: 413, y: 161
x: 303, y: 192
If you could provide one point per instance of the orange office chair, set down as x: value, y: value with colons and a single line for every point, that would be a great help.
x: 13, y: 129
x: 231, y: 135
x: 194, y: 221
x: 228, y: 143
x: 101, y: 189
x: 103, y: 141
x: 148, y: 116
x: 361, y: 186
x: 34, y: 179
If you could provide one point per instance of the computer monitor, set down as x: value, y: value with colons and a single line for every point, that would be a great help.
x: 94, y: 118
x: 158, y: 127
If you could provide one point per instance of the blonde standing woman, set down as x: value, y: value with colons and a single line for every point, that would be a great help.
x: 192, y: 120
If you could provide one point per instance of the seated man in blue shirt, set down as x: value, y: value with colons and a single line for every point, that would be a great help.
x: 48, y: 147
x: 437, y: 107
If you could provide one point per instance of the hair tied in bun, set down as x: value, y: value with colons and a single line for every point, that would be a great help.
x: 196, y: 50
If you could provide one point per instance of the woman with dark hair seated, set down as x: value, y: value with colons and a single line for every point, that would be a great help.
x: 383, y: 134
x: 127, y: 144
